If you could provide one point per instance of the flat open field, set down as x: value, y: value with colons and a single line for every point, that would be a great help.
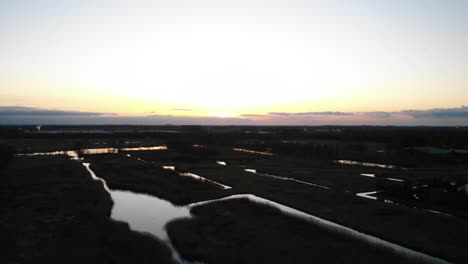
x: 379, y: 187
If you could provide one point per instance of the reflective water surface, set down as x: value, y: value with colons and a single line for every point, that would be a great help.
x: 145, y: 213
x: 253, y: 151
x: 374, y: 241
x: 92, y: 151
x: 368, y: 195
x: 149, y: 214
x: 286, y: 179
x: 367, y: 164
x: 185, y: 174
x: 197, y: 177
x: 395, y: 179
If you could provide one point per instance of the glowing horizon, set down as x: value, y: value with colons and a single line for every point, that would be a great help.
x: 229, y: 60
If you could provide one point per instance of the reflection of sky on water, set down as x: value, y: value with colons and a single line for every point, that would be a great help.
x: 92, y: 151
x: 145, y: 213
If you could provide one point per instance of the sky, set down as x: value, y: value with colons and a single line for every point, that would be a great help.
x: 284, y: 62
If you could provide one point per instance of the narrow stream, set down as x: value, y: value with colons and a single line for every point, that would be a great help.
x: 149, y: 214
x: 200, y: 178
x: 370, y: 195
x: 144, y: 213
x: 370, y: 175
x: 287, y: 179
x: 253, y: 151
x: 186, y: 174
x: 371, y: 240
x: 367, y: 164
x: 92, y: 151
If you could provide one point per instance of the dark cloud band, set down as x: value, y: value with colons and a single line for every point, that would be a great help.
x: 14, y: 111
x: 437, y: 116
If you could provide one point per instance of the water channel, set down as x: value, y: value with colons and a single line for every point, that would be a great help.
x: 149, y: 214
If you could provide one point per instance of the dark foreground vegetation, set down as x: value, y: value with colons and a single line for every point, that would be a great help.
x: 123, y: 173
x: 415, y: 228
x: 240, y: 231
x: 53, y: 212
x: 421, y: 201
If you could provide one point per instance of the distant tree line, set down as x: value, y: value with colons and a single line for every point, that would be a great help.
x: 393, y: 137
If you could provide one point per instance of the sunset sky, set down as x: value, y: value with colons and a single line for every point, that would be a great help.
x: 388, y: 62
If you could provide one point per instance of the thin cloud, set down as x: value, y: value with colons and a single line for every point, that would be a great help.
x: 18, y: 111
x: 280, y: 113
x: 198, y: 120
x: 252, y: 115
x: 437, y: 116
x: 159, y: 116
x: 182, y: 109
x: 377, y: 114
x: 461, y: 112
x: 326, y: 113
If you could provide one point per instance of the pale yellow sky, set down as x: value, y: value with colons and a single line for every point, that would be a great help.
x: 399, y: 96
x: 219, y: 58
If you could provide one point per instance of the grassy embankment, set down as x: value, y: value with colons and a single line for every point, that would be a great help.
x: 433, y: 234
x: 124, y: 173
x: 240, y: 231
x: 53, y: 212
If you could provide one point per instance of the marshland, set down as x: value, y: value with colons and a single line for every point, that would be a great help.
x: 225, y: 195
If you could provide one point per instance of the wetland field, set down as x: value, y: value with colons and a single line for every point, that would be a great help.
x: 233, y: 194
